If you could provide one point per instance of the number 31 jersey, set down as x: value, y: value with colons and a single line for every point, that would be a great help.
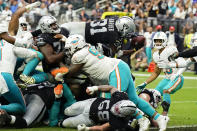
x: 96, y: 66
x: 102, y: 31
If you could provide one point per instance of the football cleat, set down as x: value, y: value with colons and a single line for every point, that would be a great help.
x: 144, y: 124
x: 33, y: 5
x: 162, y: 122
x: 27, y: 79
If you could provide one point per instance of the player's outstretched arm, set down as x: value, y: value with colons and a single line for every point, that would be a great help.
x: 103, y: 88
x: 14, y: 23
x: 188, y: 53
x: 153, y: 76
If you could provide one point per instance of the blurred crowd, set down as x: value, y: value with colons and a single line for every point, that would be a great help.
x: 178, y: 18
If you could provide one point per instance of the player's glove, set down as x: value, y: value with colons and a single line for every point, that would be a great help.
x: 59, y: 73
x: 82, y: 127
x: 120, y: 53
x: 91, y: 90
x: 173, y: 56
x: 140, y: 87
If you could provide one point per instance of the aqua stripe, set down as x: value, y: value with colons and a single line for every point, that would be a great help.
x: 1, y: 42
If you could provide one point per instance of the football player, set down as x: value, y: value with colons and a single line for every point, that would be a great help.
x: 9, y: 54
x: 172, y: 82
x: 18, y: 27
x: 103, y: 70
x: 109, y: 32
x: 114, y: 112
x: 52, y: 47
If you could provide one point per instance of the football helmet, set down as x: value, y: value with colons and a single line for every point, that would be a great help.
x: 125, y: 26
x: 23, y: 24
x: 48, y: 24
x: 157, y: 97
x: 160, y: 40
x: 74, y: 43
x: 123, y: 108
x: 194, y: 40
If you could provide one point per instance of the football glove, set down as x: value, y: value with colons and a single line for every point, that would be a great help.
x: 82, y: 127
x: 92, y: 89
x: 140, y: 87
x: 173, y: 56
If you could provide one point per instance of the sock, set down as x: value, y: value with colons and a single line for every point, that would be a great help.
x: 31, y: 65
x: 138, y: 116
x: 156, y: 116
x: 68, y: 95
x: 40, y: 77
x: 53, y: 114
x: 166, y: 97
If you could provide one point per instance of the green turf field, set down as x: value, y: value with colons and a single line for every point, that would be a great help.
x: 183, y: 110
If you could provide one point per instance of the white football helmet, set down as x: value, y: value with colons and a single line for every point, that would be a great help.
x: 75, y: 43
x: 48, y: 24
x: 125, y: 26
x: 23, y: 24
x: 194, y: 40
x: 156, y: 96
x: 160, y: 40
x: 123, y: 108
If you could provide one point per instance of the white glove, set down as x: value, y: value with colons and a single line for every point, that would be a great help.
x: 59, y: 77
x: 92, y: 89
x: 119, y: 53
x: 82, y: 127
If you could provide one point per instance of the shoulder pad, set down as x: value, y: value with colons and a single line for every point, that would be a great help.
x: 80, y: 56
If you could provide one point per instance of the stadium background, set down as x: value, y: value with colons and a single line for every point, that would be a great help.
x: 182, y: 14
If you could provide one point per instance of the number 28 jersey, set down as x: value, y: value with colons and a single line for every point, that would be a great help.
x: 102, y: 31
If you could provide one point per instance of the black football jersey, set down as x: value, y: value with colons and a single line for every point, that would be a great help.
x: 101, y: 31
x: 100, y: 108
x: 58, y: 46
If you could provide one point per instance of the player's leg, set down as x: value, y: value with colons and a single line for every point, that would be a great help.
x: 68, y: 95
x: 78, y: 107
x: 170, y: 88
x: 161, y: 85
x: 82, y: 117
x: 118, y: 78
x: 30, y: 67
x: 36, y: 109
x: 13, y: 96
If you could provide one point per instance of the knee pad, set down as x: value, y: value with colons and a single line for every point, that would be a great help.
x: 40, y: 55
x: 165, y: 106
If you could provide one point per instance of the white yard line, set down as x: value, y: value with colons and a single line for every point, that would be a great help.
x: 162, y: 76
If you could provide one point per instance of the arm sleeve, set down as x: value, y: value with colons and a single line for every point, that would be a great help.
x: 188, y: 53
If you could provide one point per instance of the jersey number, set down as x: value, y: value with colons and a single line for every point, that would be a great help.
x: 103, y: 115
x: 96, y: 53
x: 98, y: 26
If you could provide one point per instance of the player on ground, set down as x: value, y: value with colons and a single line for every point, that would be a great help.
x: 172, y: 82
